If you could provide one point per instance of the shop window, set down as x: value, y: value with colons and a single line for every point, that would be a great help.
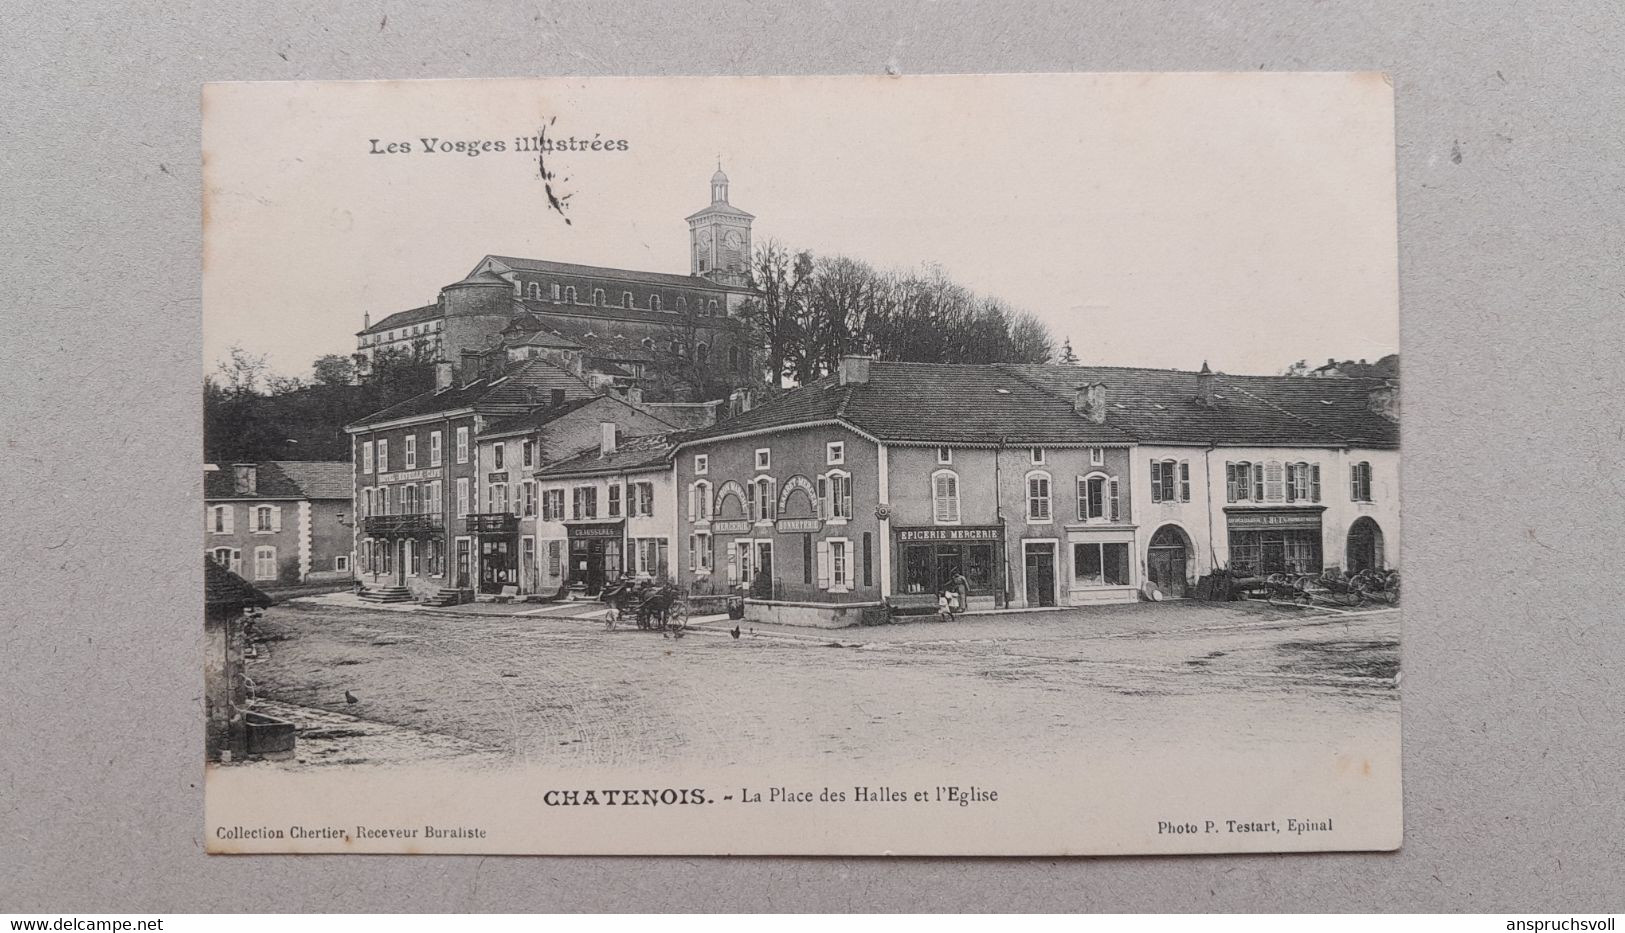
x: 840, y: 571
x: 1100, y: 564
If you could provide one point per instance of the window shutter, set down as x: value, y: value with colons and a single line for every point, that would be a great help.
x: 1112, y: 487
x: 1184, y: 481
x: 231, y: 518
x: 1258, y: 482
x: 276, y: 518
x: 693, y: 500
x: 1314, y: 482
x: 1272, y: 481
x: 236, y: 561
x: 1229, y: 482
x: 1156, y: 481
x: 1354, y: 483
x: 823, y: 565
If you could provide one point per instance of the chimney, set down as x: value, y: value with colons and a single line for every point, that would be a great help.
x: 442, y: 376
x: 366, y: 320
x: 245, y: 479
x: 738, y: 402
x: 1384, y: 400
x: 556, y: 397
x: 1204, y: 387
x: 853, y: 370
x: 606, y: 438
x: 1090, y: 402
x: 634, y: 394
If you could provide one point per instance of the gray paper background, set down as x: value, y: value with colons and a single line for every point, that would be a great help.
x: 1511, y: 209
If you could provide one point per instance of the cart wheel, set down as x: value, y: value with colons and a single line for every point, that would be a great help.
x: 677, y: 615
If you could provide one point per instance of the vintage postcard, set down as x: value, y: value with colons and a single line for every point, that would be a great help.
x: 949, y: 465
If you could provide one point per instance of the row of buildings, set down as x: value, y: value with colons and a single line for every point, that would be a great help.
x: 538, y: 467
x: 882, y: 483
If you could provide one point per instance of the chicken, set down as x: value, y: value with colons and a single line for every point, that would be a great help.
x: 350, y: 698
x: 734, y: 632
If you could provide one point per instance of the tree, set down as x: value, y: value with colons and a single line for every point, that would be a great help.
x: 775, y: 312
x: 333, y: 369
x: 240, y: 373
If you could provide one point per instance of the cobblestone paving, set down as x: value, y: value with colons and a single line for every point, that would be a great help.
x: 549, y: 688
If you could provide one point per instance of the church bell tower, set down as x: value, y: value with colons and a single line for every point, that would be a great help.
x: 719, y: 237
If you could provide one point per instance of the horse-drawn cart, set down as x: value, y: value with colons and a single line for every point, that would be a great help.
x: 654, y: 606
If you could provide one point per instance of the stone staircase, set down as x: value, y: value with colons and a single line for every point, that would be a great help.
x: 445, y: 596
x: 386, y: 594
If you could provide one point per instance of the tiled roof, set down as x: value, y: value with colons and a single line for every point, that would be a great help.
x: 1342, y: 405
x: 406, y: 319
x: 224, y: 589
x: 631, y: 453
x: 1032, y: 404
x: 535, y: 417
x: 931, y: 403
x: 521, y: 385
x: 1159, y: 406
x: 547, y: 266
x: 283, y: 479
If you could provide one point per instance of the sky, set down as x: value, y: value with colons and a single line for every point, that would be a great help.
x: 1246, y: 220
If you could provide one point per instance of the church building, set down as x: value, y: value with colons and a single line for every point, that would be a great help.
x: 673, y: 335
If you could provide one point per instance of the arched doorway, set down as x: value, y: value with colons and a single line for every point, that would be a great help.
x: 1365, y: 545
x: 1168, y: 560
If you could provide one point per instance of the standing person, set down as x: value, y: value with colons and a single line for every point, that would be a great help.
x: 945, y: 606
x: 961, y: 588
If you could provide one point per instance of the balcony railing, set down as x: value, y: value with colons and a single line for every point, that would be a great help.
x: 402, y: 525
x: 493, y: 523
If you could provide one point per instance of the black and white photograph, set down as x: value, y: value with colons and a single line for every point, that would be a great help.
x: 952, y: 465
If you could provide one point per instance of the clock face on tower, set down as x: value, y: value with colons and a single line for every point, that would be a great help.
x: 732, y: 239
